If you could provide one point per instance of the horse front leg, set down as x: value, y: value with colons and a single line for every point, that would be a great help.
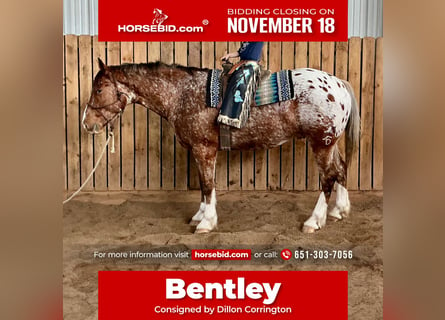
x: 205, y: 158
x: 199, y: 215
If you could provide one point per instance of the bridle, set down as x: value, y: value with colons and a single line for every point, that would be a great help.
x: 110, y: 121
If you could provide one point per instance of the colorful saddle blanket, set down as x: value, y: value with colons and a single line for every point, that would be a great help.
x: 275, y: 88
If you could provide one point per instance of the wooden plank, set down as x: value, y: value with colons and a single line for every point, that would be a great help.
x: 367, y: 113
x: 247, y: 172
x: 287, y: 151
x: 208, y: 54
x: 154, y: 135
x: 140, y: 129
x: 181, y: 152
x: 354, y: 67
x: 341, y: 71
x: 168, y: 133
x: 85, y: 85
x: 114, y: 159
x: 193, y: 60
x: 222, y: 156
x: 341, y: 60
x: 234, y: 155
x: 261, y: 155
x: 127, y: 129
x: 327, y: 56
x: 194, y: 54
x: 100, y: 175
x: 64, y: 164
x: 274, y: 154
x: 312, y: 168
x: 378, y: 118
x: 72, y: 112
x: 301, y: 61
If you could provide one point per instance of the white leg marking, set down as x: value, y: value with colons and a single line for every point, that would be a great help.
x: 318, y: 217
x: 210, y: 219
x: 198, y: 215
x: 342, y: 204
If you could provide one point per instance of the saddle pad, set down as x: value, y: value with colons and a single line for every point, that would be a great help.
x: 276, y: 88
x: 213, y: 89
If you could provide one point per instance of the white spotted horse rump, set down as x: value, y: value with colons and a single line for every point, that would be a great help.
x: 321, y: 98
x: 277, y: 87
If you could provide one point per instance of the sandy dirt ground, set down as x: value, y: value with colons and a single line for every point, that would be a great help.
x: 262, y: 221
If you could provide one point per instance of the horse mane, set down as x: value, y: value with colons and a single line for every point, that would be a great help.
x: 154, y: 66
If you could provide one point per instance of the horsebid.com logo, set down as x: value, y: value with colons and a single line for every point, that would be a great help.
x: 157, y: 25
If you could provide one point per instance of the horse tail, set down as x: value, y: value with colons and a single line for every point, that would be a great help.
x: 353, y: 126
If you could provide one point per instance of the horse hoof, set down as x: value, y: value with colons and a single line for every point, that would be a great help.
x: 202, y: 231
x: 336, y: 214
x: 334, y: 219
x: 307, y: 229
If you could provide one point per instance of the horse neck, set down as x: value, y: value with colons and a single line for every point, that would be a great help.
x: 158, y: 88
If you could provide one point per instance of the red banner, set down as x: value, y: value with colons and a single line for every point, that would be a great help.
x: 198, y: 20
x: 154, y: 295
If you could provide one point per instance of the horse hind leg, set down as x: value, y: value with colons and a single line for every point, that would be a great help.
x: 327, y: 165
x: 342, y: 204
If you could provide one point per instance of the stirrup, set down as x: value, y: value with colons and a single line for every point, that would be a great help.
x: 225, y: 137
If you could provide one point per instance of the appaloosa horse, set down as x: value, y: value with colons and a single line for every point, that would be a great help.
x: 323, y: 108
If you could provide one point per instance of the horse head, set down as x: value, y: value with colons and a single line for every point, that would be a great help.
x: 107, y: 101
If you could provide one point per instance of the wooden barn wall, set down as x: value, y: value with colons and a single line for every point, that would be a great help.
x: 149, y: 157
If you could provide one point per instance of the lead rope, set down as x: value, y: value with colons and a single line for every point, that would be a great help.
x: 112, y: 150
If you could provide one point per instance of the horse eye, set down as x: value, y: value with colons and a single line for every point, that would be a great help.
x: 98, y: 90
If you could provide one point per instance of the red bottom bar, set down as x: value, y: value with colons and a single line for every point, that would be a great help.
x: 223, y: 295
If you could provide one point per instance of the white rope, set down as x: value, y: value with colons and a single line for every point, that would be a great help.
x: 110, y: 136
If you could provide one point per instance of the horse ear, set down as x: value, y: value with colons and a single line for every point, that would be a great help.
x: 102, y: 65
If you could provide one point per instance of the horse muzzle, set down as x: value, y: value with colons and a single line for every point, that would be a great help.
x: 93, y: 129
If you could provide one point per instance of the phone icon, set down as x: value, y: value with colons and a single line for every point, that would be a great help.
x: 286, y: 254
